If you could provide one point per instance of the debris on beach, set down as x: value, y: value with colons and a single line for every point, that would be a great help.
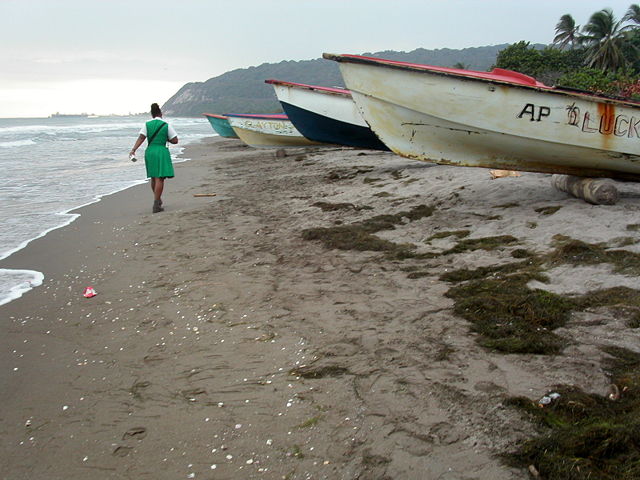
x: 504, y: 173
x: 89, y: 292
x: 548, y: 399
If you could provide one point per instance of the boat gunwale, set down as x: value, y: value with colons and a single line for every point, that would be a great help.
x: 315, y: 88
x: 215, y: 115
x: 427, y: 69
x: 258, y: 116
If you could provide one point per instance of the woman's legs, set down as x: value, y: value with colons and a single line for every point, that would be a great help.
x: 157, y: 185
x: 153, y: 188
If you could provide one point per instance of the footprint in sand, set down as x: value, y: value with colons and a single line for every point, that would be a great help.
x: 136, y: 432
x: 121, y: 451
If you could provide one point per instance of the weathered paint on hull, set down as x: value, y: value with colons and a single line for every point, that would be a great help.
x: 220, y: 125
x: 468, y: 122
x: 268, y: 131
x: 268, y: 140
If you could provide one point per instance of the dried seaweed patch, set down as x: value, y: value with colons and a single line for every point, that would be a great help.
x: 332, y: 207
x: 569, y: 250
x: 511, y: 317
x: 587, y: 435
x: 359, y: 236
x: 454, y: 233
x: 484, y: 243
x: 312, y: 371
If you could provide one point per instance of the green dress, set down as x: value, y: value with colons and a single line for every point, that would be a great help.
x: 157, y: 158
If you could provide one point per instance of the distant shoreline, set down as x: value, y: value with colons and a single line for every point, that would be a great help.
x: 91, y: 117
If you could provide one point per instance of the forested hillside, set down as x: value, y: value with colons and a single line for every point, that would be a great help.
x: 243, y: 90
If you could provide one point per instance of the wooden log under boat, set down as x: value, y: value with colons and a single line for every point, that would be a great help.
x: 597, y: 191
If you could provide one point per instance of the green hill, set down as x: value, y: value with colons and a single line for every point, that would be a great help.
x: 244, y: 91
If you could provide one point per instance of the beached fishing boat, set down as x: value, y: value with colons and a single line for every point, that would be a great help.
x: 325, y: 114
x: 220, y: 125
x: 499, y: 119
x: 267, y: 131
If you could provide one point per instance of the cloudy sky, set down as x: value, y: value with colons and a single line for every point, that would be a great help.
x: 118, y: 56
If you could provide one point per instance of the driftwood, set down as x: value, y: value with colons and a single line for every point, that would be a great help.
x: 504, y: 173
x: 598, y: 191
x: 204, y: 194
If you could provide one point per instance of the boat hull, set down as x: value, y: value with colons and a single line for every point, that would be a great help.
x: 326, y: 115
x: 462, y: 121
x: 220, y: 125
x: 268, y: 132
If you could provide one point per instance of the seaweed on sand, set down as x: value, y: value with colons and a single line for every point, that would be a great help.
x: 454, y: 233
x: 332, y: 207
x: 511, y: 317
x: 586, y: 435
x: 484, y: 243
x: 359, y: 235
x: 569, y: 250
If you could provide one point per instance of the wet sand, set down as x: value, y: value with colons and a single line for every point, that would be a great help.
x: 222, y: 345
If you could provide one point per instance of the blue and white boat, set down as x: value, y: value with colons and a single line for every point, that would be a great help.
x: 327, y: 115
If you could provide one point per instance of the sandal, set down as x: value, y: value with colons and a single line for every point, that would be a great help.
x: 157, y: 206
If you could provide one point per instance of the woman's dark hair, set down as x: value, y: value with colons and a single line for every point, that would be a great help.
x: 155, y: 110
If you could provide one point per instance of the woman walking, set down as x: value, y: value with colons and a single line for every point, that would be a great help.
x: 157, y: 158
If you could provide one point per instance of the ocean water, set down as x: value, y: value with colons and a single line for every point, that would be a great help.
x: 51, y: 166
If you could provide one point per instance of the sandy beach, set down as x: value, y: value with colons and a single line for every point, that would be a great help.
x: 226, y: 341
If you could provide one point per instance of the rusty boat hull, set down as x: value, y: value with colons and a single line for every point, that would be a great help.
x: 498, y: 119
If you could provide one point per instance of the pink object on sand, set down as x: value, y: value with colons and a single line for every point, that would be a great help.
x: 89, y: 292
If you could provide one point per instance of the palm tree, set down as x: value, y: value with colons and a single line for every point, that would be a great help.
x: 633, y: 14
x: 632, y: 33
x: 567, y: 32
x: 604, y: 40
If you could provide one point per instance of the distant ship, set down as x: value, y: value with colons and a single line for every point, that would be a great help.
x: 69, y: 115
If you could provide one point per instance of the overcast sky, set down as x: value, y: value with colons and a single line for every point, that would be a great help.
x: 118, y: 56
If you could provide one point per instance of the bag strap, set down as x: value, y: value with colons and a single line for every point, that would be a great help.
x: 156, y: 132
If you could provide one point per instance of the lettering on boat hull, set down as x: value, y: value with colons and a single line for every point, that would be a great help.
x: 604, y: 122
x: 530, y: 110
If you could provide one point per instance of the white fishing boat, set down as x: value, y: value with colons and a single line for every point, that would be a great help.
x: 499, y: 119
x: 325, y: 114
x: 267, y: 131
